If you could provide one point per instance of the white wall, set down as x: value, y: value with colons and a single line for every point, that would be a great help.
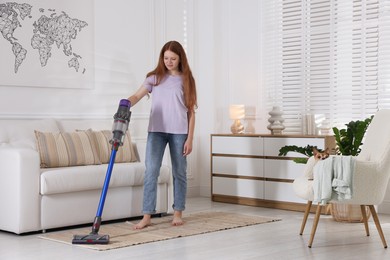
x: 228, y: 62
x: 224, y: 46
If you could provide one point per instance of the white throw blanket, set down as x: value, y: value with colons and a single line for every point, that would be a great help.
x: 333, y: 179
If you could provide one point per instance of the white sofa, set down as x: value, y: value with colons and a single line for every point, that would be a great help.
x: 34, y: 198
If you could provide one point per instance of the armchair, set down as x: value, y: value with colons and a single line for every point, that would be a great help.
x: 369, y: 181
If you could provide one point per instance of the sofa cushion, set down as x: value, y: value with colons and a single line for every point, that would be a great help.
x: 66, y: 149
x: 82, y: 178
x: 125, y: 152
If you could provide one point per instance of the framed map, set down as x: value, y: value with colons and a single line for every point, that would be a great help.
x: 46, y: 43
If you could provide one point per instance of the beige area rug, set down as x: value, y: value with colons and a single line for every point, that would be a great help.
x: 122, y: 234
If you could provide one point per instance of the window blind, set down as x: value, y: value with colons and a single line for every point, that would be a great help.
x: 328, y: 58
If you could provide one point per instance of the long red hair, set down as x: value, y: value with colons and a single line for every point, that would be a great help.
x: 160, y: 72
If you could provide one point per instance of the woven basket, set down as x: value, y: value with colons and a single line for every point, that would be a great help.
x: 348, y: 213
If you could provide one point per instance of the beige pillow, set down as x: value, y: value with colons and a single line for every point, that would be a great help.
x: 125, y: 152
x: 66, y: 149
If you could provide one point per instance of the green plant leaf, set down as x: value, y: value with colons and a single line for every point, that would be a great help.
x: 301, y: 160
x: 308, y: 150
x: 349, y: 140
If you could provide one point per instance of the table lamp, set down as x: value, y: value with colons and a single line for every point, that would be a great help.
x: 236, y: 113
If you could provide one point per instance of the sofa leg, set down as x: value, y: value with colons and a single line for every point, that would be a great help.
x: 315, y: 224
x: 305, y: 216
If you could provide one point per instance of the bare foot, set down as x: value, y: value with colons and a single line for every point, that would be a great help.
x: 177, y: 219
x: 143, y: 223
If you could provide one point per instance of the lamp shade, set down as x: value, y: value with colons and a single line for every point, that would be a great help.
x: 237, y: 111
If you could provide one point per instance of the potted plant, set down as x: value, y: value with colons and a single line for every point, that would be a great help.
x: 349, y: 140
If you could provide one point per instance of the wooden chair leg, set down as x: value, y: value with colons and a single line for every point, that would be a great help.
x: 378, y: 225
x: 328, y: 209
x: 365, y: 220
x: 315, y: 224
x: 307, y: 211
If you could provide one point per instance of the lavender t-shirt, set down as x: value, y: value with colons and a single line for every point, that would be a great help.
x: 168, y: 113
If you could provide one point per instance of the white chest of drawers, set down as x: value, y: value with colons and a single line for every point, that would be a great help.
x: 246, y: 169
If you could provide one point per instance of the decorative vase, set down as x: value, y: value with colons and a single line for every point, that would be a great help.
x: 250, y: 118
x: 325, y: 128
x: 276, y: 121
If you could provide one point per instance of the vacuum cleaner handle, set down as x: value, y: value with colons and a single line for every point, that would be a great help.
x: 119, y: 128
x: 121, y: 123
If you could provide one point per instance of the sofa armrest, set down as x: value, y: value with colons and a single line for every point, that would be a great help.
x: 19, y: 190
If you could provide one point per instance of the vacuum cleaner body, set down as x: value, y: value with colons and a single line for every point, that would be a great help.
x: 119, y: 128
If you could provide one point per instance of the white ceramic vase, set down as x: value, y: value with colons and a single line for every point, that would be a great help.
x: 276, y: 121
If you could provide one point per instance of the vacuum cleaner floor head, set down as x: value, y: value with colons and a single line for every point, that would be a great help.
x: 91, y: 239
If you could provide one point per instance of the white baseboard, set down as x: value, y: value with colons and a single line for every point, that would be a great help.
x: 192, y: 192
x: 205, y: 191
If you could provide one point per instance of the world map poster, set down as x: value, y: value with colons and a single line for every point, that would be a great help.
x: 46, y: 43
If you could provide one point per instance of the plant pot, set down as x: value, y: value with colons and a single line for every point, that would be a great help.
x: 348, y: 213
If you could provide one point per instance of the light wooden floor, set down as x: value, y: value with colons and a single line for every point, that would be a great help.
x: 278, y: 240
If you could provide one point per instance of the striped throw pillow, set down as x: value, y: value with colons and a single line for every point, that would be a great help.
x: 125, y: 152
x: 66, y: 149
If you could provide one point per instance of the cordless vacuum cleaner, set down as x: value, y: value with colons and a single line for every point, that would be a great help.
x: 120, y: 126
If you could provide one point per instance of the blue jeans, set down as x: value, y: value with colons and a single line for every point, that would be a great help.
x: 155, y: 148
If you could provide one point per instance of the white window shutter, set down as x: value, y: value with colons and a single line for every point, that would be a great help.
x: 327, y: 58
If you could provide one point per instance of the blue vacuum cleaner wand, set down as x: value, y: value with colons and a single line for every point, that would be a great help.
x: 119, y: 128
